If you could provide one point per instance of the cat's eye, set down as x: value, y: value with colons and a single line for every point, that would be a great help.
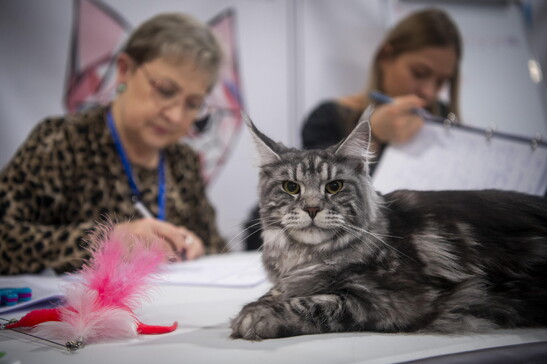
x: 291, y: 187
x: 334, y: 186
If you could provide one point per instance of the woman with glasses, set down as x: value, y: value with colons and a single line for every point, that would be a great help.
x: 121, y: 163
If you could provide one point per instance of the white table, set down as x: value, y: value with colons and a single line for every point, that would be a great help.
x: 203, y: 313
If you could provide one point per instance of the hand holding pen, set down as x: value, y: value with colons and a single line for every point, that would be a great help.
x: 398, y: 119
x: 181, y: 243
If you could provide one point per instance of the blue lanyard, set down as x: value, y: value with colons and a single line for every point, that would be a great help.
x: 136, y: 195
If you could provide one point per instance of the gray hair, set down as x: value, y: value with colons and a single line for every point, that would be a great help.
x: 179, y: 37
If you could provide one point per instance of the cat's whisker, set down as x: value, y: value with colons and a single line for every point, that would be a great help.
x: 228, y: 245
x: 282, y: 231
x: 256, y: 222
x: 382, y: 241
x: 359, y: 237
x: 343, y: 220
x: 275, y: 221
x: 376, y: 250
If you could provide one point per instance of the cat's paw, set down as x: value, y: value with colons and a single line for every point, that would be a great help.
x: 257, y: 321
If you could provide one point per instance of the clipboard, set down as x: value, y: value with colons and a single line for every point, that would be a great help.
x: 448, y: 156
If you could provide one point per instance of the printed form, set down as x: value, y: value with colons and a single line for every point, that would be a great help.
x: 455, y: 158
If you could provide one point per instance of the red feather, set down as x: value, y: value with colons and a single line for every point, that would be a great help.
x: 154, y: 329
x: 36, y: 317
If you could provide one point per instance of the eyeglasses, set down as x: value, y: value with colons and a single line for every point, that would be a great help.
x: 168, y: 94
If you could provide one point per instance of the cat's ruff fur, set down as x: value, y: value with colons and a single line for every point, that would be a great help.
x: 354, y: 260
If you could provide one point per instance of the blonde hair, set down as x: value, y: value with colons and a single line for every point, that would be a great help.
x: 426, y: 28
x: 179, y: 37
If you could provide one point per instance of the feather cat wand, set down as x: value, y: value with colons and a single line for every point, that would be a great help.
x: 100, y: 304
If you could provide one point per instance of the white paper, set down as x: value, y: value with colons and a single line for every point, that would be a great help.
x: 441, y: 158
x: 241, y: 270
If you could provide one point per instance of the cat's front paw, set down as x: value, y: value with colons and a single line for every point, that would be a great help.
x: 257, y: 321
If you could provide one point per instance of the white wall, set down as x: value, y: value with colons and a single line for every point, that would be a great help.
x: 293, y: 54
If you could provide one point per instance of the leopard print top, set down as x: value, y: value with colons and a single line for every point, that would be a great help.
x: 67, y: 178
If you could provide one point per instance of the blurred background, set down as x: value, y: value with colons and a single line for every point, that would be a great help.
x: 285, y: 56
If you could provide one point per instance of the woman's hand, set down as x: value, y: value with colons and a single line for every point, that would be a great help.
x: 396, y: 122
x: 193, y: 245
x: 180, y: 243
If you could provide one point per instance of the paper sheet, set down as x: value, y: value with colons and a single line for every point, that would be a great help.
x: 241, y: 270
x: 447, y: 159
x: 237, y: 270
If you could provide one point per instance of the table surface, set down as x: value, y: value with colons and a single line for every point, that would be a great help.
x: 204, y: 313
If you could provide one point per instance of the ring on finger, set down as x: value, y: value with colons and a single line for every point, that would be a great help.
x: 188, y: 240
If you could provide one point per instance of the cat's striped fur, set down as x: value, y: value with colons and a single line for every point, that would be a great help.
x: 355, y: 260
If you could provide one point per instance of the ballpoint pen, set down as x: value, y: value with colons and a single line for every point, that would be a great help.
x: 382, y: 98
x: 143, y: 210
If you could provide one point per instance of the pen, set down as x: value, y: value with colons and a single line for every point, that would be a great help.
x: 382, y: 98
x: 379, y: 97
x: 143, y: 210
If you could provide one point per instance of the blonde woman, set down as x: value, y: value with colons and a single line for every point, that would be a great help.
x: 418, y: 57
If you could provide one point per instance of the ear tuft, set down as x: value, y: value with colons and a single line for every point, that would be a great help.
x: 357, y: 143
x: 264, y: 145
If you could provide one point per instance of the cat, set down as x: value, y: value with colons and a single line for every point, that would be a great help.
x: 342, y: 257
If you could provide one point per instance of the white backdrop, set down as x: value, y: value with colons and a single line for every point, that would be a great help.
x: 293, y: 54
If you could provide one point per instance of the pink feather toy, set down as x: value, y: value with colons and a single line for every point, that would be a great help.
x: 100, y: 304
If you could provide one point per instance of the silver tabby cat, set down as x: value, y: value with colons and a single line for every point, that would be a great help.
x: 342, y: 257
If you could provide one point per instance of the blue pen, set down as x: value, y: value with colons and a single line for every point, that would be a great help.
x: 381, y: 98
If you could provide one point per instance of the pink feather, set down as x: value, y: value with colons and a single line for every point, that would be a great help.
x: 121, y: 268
x: 100, y: 304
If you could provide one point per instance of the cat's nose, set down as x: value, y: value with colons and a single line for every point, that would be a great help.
x: 312, y: 211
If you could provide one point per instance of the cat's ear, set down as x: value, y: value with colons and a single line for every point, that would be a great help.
x: 357, y: 143
x: 265, y: 146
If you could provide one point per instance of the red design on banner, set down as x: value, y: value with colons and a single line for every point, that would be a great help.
x: 215, y: 139
x: 97, y: 36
